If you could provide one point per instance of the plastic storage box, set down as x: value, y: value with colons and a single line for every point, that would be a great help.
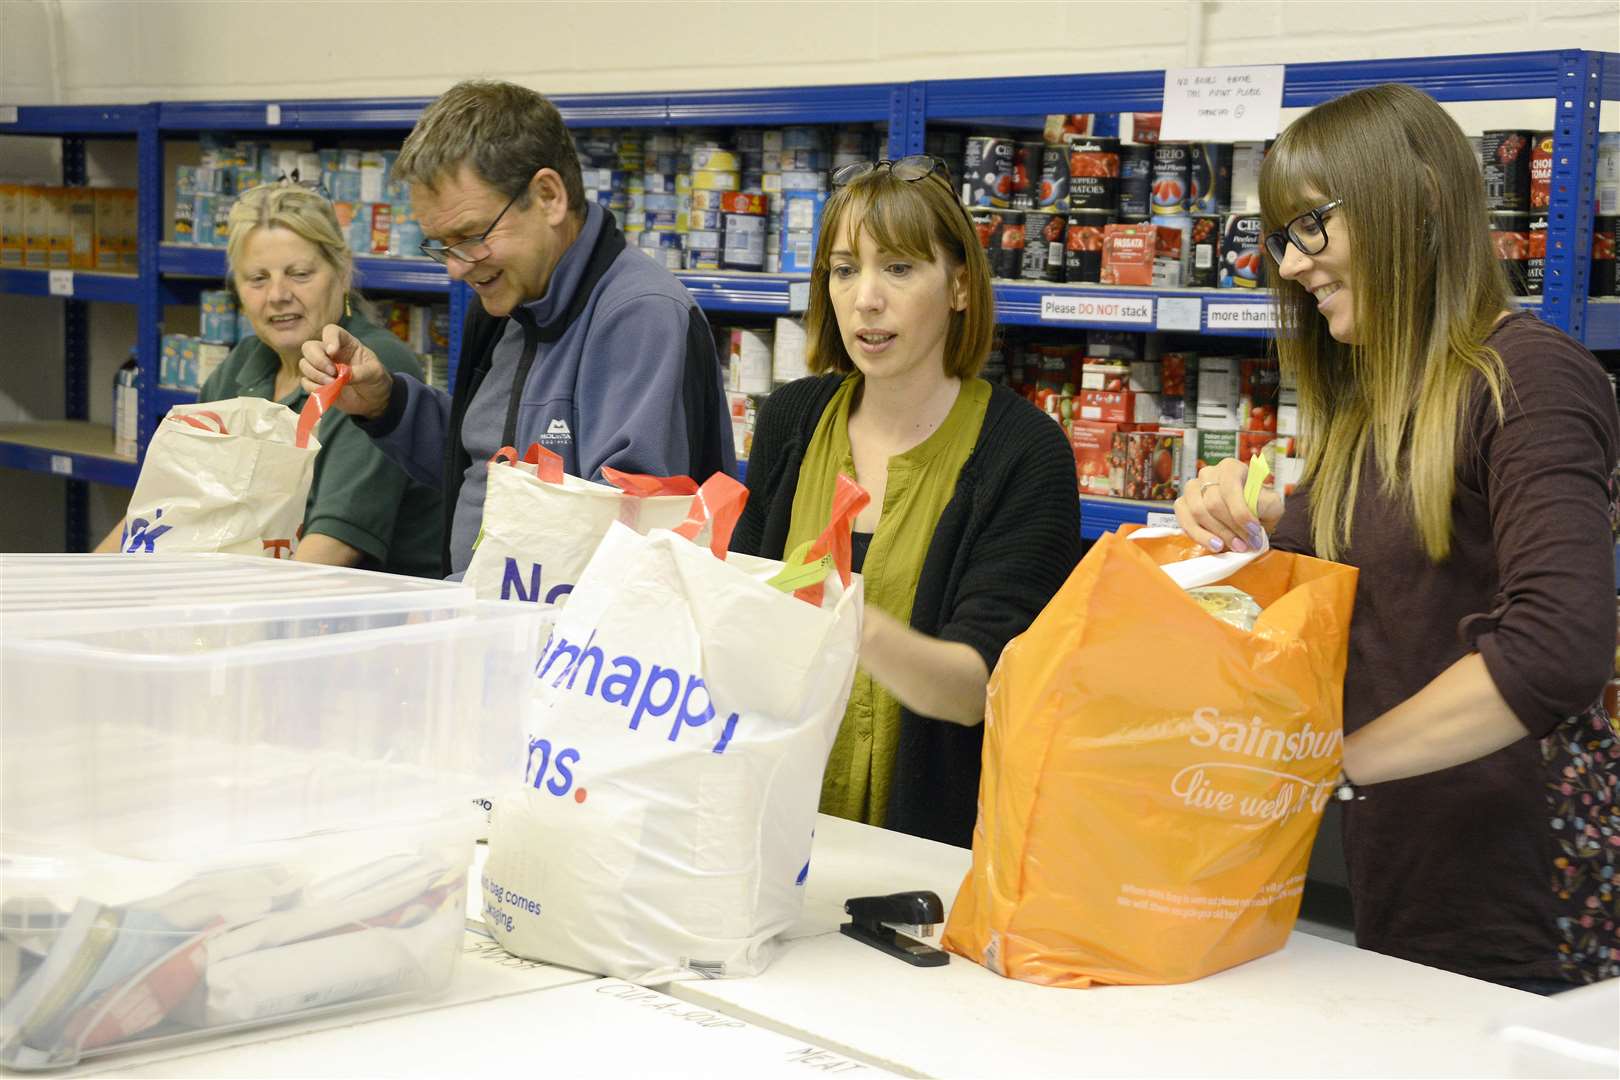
x: 235, y: 790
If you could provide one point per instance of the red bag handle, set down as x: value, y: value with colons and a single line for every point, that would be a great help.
x: 191, y: 418
x: 642, y: 486
x: 849, y: 499
x: 548, y: 464
x: 318, y: 403
x: 719, y: 502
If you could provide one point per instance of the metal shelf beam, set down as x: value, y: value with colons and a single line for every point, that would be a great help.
x: 373, y: 271
x: 71, y: 449
x: 86, y: 120
x: 765, y: 294
x: 1486, y: 77
x: 786, y: 105
x: 87, y: 285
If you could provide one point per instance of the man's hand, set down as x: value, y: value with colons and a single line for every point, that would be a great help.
x: 370, y: 384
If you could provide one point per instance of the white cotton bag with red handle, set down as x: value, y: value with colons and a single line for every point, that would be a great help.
x: 229, y: 476
x: 660, y: 825
x: 541, y: 526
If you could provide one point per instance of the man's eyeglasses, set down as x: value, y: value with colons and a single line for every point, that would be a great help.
x: 913, y: 168
x: 467, y: 251
x: 1307, y: 232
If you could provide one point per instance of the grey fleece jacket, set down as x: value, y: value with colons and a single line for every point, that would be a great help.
x: 607, y: 392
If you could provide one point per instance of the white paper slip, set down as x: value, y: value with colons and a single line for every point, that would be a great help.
x: 1223, y: 104
x: 1180, y: 313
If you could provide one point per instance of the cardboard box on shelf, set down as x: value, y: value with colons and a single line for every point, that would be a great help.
x: 109, y: 225
x: 1103, y: 376
x: 1108, y: 406
x: 81, y: 210
x: 209, y: 357
x: 36, y: 228
x: 1288, y: 419
x: 1128, y: 254
x: 1145, y: 375
x: 1093, y: 444
x: 59, y: 203
x: 13, y: 228
x: 1113, y: 345
x: 1172, y: 253
x: 1150, y: 463
x: 1215, y: 447
x: 1178, y: 374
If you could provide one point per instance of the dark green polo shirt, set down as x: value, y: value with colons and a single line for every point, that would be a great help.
x: 358, y: 496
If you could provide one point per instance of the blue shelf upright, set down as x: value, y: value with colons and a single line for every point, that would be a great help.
x: 71, y: 447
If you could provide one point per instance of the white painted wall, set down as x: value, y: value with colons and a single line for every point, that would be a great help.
x: 142, y: 50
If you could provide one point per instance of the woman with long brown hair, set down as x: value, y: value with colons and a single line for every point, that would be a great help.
x: 974, y: 520
x: 1461, y: 453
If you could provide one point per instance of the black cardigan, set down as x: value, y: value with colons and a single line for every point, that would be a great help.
x: 1004, y: 545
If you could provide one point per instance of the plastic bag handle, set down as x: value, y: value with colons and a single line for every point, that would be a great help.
x: 719, y: 502
x: 192, y: 419
x: 643, y: 486
x: 317, y: 404
x: 548, y: 464
x: 849, y: 499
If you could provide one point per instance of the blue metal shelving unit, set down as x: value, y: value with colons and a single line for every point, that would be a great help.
x: 73, y: 447
x: 1576, y: 81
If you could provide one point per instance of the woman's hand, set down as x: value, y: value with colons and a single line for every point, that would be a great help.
x: 370, y: 384
x: 1213, y: 512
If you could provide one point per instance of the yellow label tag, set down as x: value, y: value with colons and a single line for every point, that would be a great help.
x: 1258, y: 471
x: 796, y: 573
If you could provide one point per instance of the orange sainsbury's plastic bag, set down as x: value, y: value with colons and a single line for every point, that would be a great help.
x: 1154, y: 777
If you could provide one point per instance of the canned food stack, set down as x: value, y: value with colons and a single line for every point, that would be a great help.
x: 759, y: 155
x: 600, y: 172
x: 1517, y: 167
x: 663, y: 224
x: 714, y: 173
x: 804, y: 184
x: 948, y: 145
x: 1092, y: 166
x: 743, y: 219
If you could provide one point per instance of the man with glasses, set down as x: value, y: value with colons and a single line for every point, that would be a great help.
x: 579, y: 343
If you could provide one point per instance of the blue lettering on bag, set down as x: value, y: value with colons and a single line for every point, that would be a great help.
x: 563, y: 778
x: 664, y: 691
x: 139, y: 535
x: 512, y: 584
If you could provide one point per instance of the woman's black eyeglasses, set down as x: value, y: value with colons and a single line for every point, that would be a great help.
x: 467, y: 251
x: 913, y: 168
x: 1308, y: 232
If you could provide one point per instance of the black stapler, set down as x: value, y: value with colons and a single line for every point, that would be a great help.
x: 893, y: 923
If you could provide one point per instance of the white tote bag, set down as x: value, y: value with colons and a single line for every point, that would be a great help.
x: 230, y: 476
x: 541, y: 526
x: 686, y: 708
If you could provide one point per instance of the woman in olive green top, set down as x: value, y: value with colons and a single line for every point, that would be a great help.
x: 974, y: 519
x: 292, y: 274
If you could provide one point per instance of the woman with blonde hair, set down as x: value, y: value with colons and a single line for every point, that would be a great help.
x: 1462, y: 454
x: 974, y: 518
x: 292, y: 274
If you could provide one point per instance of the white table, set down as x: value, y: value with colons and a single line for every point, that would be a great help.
x: 595, y: 1027
x: 1315, y: 1008
x: 832, y: 1005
